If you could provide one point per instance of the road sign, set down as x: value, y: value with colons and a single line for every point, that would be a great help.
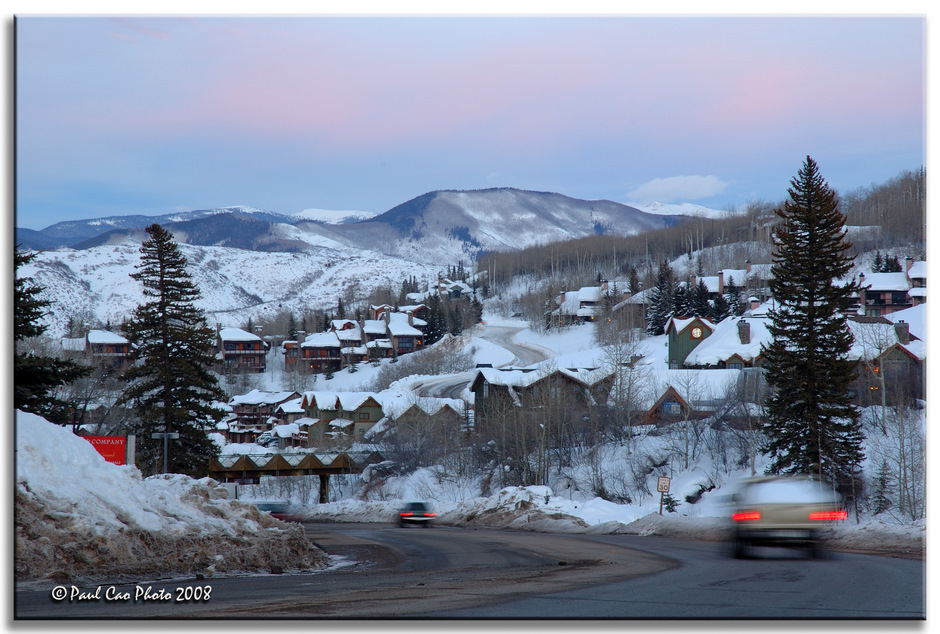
x: 662, y: 485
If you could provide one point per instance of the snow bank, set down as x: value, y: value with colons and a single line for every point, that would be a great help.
x: 78, y: 516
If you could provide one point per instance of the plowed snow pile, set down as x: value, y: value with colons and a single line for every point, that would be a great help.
x: 80, y: 517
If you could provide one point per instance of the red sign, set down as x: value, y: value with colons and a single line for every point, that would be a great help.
x: 113, y: 448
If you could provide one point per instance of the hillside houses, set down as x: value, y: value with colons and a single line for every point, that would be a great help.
x: 100, y: 348
x: 332, y: 420
x: 389, y: 333
x: 240, y: 351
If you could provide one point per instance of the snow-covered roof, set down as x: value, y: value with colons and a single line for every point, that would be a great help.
x: 915, y: 316
x: 321, y: 340
x: 725, y: 342
x: 918, y: 270
x: 871, y: 340
x: 237, y: 334
x: 287, y: 430
x: 104, y: 336
x: 398, y: 326
x: 351, y: 401
x: 259, y: 397
x: 711, y: 283
x: 570, y: 305
x: 886, y: 282
x: 292, y: 406
x: 681, y: 323
x: 374, y: 327
x: 340, y: 423
x: 693, y: 386
x: 738, y: 276
x: 590, y: 293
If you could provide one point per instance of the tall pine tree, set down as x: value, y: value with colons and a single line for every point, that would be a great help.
x: 813, y: 426
x: 659, y: 306
x: 171, y: 385
x: 36, y: 377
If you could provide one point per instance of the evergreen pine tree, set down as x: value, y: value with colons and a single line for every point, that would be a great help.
x: 171, y: 386
x: 720, y: 309
x: 733, y: 298
x: 682, y: 300
x: 876, y: 266
x: 659, y: 308
x: 892, y: 264
x: 634, y: 281
x: 36, y: 377
x: 437, y: 326
x: 813, y: 426
x: 291, y: 328
x: 881, y: 495
x: 700, y: 306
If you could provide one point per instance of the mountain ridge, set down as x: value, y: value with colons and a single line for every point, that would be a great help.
x: 439, y: 226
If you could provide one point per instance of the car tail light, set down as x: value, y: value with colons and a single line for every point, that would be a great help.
x: 828, y: 515
x: 745, y: 516
x: 430, y: 514
x: 406, y: 514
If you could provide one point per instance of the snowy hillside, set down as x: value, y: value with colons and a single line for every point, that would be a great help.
x: 236, y: 284
x: 680, y: 209
x: 445, y: 225
x: 333, y: 216
x: 568, y: 504
x: 79, y: 516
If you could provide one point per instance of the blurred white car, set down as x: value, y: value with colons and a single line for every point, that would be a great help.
x: 783, y: 511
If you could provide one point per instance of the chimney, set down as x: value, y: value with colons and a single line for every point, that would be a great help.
x: 747, y: 266
x: 754, y: 303
x: 861, y: 294
x: 903, y: 331
x: 604, y: 285
x: 908, y: 263
x: 744, y: 332
x: 721, y: 282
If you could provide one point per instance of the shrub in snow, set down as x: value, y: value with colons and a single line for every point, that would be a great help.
x: 78, y: 516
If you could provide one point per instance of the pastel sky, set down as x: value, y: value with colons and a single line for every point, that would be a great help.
x: 131, y: 115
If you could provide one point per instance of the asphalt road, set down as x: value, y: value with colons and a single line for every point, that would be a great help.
x: 387, y: 572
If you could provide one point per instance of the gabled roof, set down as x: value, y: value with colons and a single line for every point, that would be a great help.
x: 104, y: 336
x: 237, y: 334
x: 398, y: 326
x: 374, y: 327
x: 918, y: 270
x: 725, y: 342
x: 681, y: 323
x: 885, y: 282
x: 321, y: 340
x: 259, y: 397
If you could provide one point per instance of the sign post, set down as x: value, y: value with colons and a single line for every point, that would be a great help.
x: 166, y: 439
x: 662, y: 485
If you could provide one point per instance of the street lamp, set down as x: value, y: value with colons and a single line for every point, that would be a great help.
x: 166, y: 439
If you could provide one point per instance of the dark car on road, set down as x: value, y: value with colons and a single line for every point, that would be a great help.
x: 416, y: 513
x: 783, y: 511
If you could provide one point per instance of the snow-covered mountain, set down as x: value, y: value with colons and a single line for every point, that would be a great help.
x: 94, y: 283
x: 680, y: 209
x: 333, y: 216
x: 442, y: 225
x: 246, y: 260
x: 439, y: 227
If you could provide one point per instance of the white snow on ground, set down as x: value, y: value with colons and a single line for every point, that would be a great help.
x: 568, y: 506
x: 80, y: 517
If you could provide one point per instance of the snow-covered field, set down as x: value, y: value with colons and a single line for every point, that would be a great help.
x: 78, y: 516
x: 567, y: 505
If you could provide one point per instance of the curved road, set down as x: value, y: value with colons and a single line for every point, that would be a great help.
x: 452, y: 385
x: 443, y: 572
